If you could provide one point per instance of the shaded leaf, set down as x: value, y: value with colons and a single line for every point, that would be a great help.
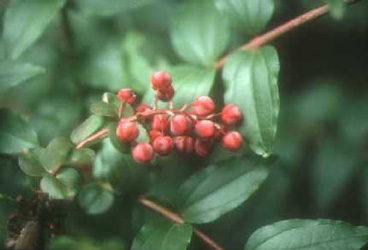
x: 95, y: 199
x: 199, y: 32
x: 87, y: 128
x: 14, y: 73
x: 63, y: 185
x: 82, y: 156
x: 159, y: 234
x: 15, y: 134
x: 25, y: 21
x: 30, y: 164
x: 219, y: 189
x: 309, y: 235
x: 337, y: 8
x: 56, y: 153
x: 249, y: 15
x: 251, y: 83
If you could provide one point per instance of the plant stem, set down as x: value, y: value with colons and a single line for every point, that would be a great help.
x: 280, y: 30
x: 177, y: 219
x: 93, y: 137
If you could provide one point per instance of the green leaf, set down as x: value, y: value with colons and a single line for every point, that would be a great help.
x: 308, y: 235
x: 30, y: 164
x: 161, y: 234
x: 251, y: 83
x: 249, y: 15
x: 199, y: 32
x: 110, y: 7
x: 219, y: 189
x: 14, y: 73
x: 143, y: 136
x: 109, y: 106
x: 63, y: 186
x: 56, y: 153
x: 337, y: 8
x: 15, y: 134
x: 87, y: 128
x: 25, y: 21
x: 82, y: 156
x: 96, y: 199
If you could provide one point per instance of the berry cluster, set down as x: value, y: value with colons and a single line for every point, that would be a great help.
x: 188, y: 130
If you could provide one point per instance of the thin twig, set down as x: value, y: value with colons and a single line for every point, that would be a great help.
x: 93, y: 137
x: 278, y: 31
x: 177, y: 219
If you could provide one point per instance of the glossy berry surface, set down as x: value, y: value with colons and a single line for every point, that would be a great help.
x: 231, y: 115
x: 179, y: 124
x: 163, y: 145
x: 127, y: 131
x: 160, y: 80
x: 232, y: 140
x: 205, y: 129
x: 203, y: 106
x: 143, y: 153
x: 127, y: 95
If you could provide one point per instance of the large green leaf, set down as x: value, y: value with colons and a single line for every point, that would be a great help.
x: 96, y: 199
x: 161, y: 234
x: 56, y: 153
x: 87, y: 128
x: 14, y: 73
x: 25, y: 21
x: 15, y: 134
x: 308, y: 235
x: 251, y: 83
x: 249, y: 15
x: 219, y: 189
x: 30, y: 164
x: 199, y: 32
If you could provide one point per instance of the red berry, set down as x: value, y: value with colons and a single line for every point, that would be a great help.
x: 154, y: 134
x: 202, y: 148
x: 160, y: 122
x: 232, y: 140
x: 179, y: 125
x: 127, y: 95
x: 160, y: 80
x: 165, y: 95
x: 205, y: 129
x: 127, y: 131
x: 231, y: 115
x: 163, y: 145
x: 183, y: 144
x: 142, y: 108
x: 142, y: 153
x: 203, y: 106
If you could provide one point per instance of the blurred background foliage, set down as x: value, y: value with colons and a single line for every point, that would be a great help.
x: 322, y: 143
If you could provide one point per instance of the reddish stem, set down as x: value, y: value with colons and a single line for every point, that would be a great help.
x: 93, y: 137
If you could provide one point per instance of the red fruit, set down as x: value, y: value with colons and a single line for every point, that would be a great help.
x: 127, y: 95
x: 163, y: 145
x: 143, y: 153
x: 154, y: 134
x: 203, y: 106
x: 183, y: 144
x: 142, y: 108
x: 179, y: 124
x: 205, y: 128
x: 160, y: 80
x: 160, y: 123
x: 165, y: 95
x: 202, y: 148
x: 231, y: 115
x: 232, y: 140
x: 127, y: 131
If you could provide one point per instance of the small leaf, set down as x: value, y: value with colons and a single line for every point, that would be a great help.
x: 251, y: 83
x: 30, y: 164
x: 87, y: 128
x: 82, y: 156
x: 25, y: 21
x: 56, y: 153
x: 109, y: 106
x: 249, y: 15
x: 159, y: 234
x: 199, y: 32
x: 63, y: 186
x: 14, y: 73
x: 15, y: 134
x: 308, y: 234
x: 95, y: 199
x: 219, y: 189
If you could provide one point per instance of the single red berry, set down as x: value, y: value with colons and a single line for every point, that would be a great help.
x: 160, y: 123
x: 127, y: 131
x: 165, y: 95
x: 231, y: 115
x: 202, y: 148
x: 205, y: 128
x: 154, y: 134
x: 184, y: 144
x: 127, y: 95
x: 163, y: 145
x: 142, y: 108
x: 203, y: 106
x: 160, y: 80
x: 142, y: 153
x: 179, y: 125
x: 232, y: 140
